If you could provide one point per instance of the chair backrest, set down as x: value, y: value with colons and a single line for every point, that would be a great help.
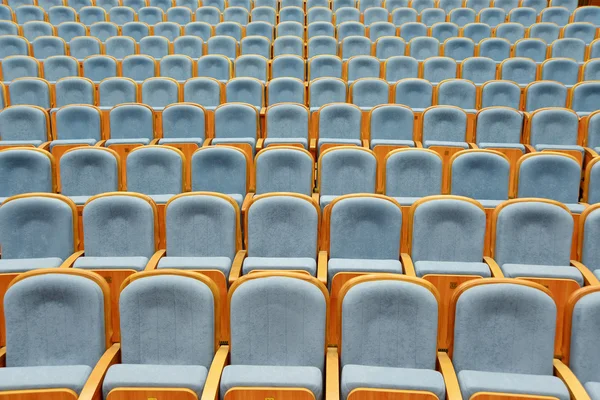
x: 369, y: 92
x: 320, y: 28
x: 445, y: 123
x: 59, y: 14
x: 29, y: 91
x: 447, y: 228
x: 245, y: 90
x: 525, y: 16
x: 498, y: 49
x: 136, y: 30
x: 481, y: 175
x: 210, y: 15
x: 391, y: 122
x: 121, y: 15
x: 414, y: 93
x: 355, y: 46
x: 444, y: 30
x: 155, y: 170
x: 411, y: 30
x: 78, y: 299
x: 120, y: 225
x: 326, y: 90
x: 264, y: 14
x: 462, y: 16
x: 543, y: 94
x: 546, y: 31
x: 436, y: 69
x: 223, y: 45
x: 288, y: 66
x: 363, y: 67
x: 178, y: 67
x: 580, y: 30
x: 458, y: 48
x: 114, y: 91
x: 346, y: 14
x: 57, y: 67
x: 553, y: 126
x: 30, y: 220
x: 400, y: 67
x: 413, y: 173
x: 74, y: 90
x: 381, y: 29
x: 251, y: 66
x: 88, y: 171
x: 511, y: 31
x: 321, y: 45
x: 168, y: 30
x: 104, y: 30
x: 585, y: 96
x: 518, y: 69
x: 491, y: 16
x: 26, y: 170
x: 292, y: 13
x: 81, y: 47
x: 34, y: 29
x: 346, y: 170
x: 256, y: 45
x: 430, y: 16
x: 220, y: 169
x: 477, y: 5
x: 587, y: 14
x: 457, y: 92
x: 14, y: 67
x: 151, y: 15
x: 592, y: 136
x: 284, y: 169
x: 569, y: 48
x: 403, y: 15
x: 120, y: 47
x: 423, y: 47
x: 13, y: 45
x: 324, y: 66
x: 591, y: 69
x: 78, y: 121
x: 552, y: 176
x: 124, y: 116
x: 24, y: 123
x: 389, y: 46
x: 296, y: 320
x: 154, y: 46
x: 179, y: 15
x: 160, y: 92
x: 152, y: 300
x: 285, y: 90
x: 290, y: 28
x: 288, y: 45
x: 340, y: 121
x: 100, y: 67
x: 215, y: 66
x: 203, y: 91
x: 477, y: 31
x: 532, y: 48
x: 501, y: 93
x: 478, y: 69
x: 499, y: 125
x: 523, y: 319
x: 199, y: 29
x: 184, y: 120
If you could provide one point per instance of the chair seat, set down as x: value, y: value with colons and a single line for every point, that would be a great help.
x: 593, y: 389
x: 79, y: 200
x: 540, y: 147
x: 161, y: 198
x: 442, y: 143
x: 248, y: 140
x: 142, y: 141
x: 223, y: 264
x: 542, y: 271
x: 35, y: 143
x: 575, y: 208
x: 8, y: 265
x: 272, y: 376
x: 519, y: 146
x: 280, y: 263
x: 69, y: 142
x: 302, y: 141
x: 406, y: 201
x: 472, y: 382
x: 71, y: 377
x: 198, y: 141
x: 391, y: 142
x: 423, y: 268
x: 336, y: 265
x: 190, y: 377
x: 348, y: 142
x: 325, y: 200
x: 362, y: 376
x: 490, y: 203
x: 136, y: 263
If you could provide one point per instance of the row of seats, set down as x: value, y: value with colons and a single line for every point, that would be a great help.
x: 388, y: 331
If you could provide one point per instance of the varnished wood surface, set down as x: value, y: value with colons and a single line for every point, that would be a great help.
x: 389, y: 394
x: 487, y: 241
x: 446, y: 153
x: 336, y: 285
x: 188, y: 150
x: 267, y: 393
x: 380, y: 152
x: 123, y: 150
x: 57, y: 152
x: 513, y: 156
x: 42, y: 394
x: 4, y: 282
x: 219, y: 279
x: 508, y: 396
x: 151, y: 394
x: 114, y: 278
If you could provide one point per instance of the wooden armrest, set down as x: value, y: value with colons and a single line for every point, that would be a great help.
x: 496, y: 271
x: 154, y: 260
x: 418, y: 144
x: 154, y: 141
x: 529, y: 148
x: 68, y: 263
x: 211, y: 387
x: 44, y: 146
x: 93, y: 386
x: 332, y: 371
x: 246, y: 202
x: 322, y: 267
x: 315, y: 197
x: 588, y: 276
x: 591, y: 153
x: 365, y: 143
x: 312, y: 144
x: 100, y: 143
x: 568, y: 377
x: 260, y: 144
x: 447, y: 369
x: 407, y: 264
x: 236, y: 266
x: 2, y: 357
x: 472, y: 146
x: 207, y: 142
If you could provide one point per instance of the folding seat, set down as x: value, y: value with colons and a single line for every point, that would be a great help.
x: 221, y: 169
x: 367, y: 93
x: 337, y: 4
x: 223, y: 45
x: 347, y: 29
x: 430, y: 16
x: 411, y: 30
x: 25, y: 14
x: 120, y: 47
x: 338, y: 125
x: 318, y: 14
x: 190, y: 46
x: 462, y: 16
x: 436, y: 69
x: 555, y: 129
x: 584, y: 98
x: 420, y: 5
x: 355, y: 46
x: 500, y: 93
x: 99, y: 67
x: 114, y: 91
x: 24, y: 126
x: 458, y: 48
x: 422, y: 48
x: 525, y: 16
x: 139, y: 67
x: 206, y: 92
x: 323, y: 91
x: 526, y: 317
x: 476, y: 31
x: 48, y: 46
x: 247, y: 4
x: 106, y: 4
x: 266, y: 3
x: 285, y: 90
x: 79, y: 4
x: 589, y: 14
x: 179, y: 15
x: 288, y: 125
x: 320, y: 29
x: 568, y: 4
x: 47, y: 4
x: 449, y: 5
x: 135, y: 4
x: 169, y: 30
x: 546, y: 31
x: 389, y: 46
x: 324, y: 66
x: 591, y: 70
x: 402, y: 16
x: 184, y: 127
x: 478, y: 5
x: 160, y: 92
x: 381, y: 29
x: 542, y: 94
x: 30, y: 91
x: 260, y: 28
x: 121, y: 118
x: 500, y: 129
x: 594, y: 49
x: 218, y: 4
x: 34, y: 29
x: 199, y: 29
x: 458, y: 92
x: 215, y: 66
x: 444, y: 30
x: 156, y: 47
x: 193, y: 4
x: 291, y: 3
x: 104, y: 30
x: 506, y: 5
x: 75, y: 125
x: 136, y: 30
x: 444, y: 129
x: 563, y: 70
x: 511, y: 31
x: 521, y: 70
x: 321, y: 45
x: 559, y: 15
x: 400, y: 67
x: 284, y: 168
x: 375, y: 14
x: 534, y: 49
x: 74, y: 90
x: 25, y: 170
x: 14, y: 67
x: 359, y: 67
x: 264, y: 14
x: 346, y: 170
x: 210, y: 15
x: 151, y: 15
x: 363, y: 5
x: 121, y: 15
x: 81, y: 47
x: 414, y: 93
x: 90, y: 15
x: 59, y: 14
x: 237, y: 125
x: 317, y: 3
x: 9, y: 28
x: 580, y: 30
x: 251, y: 66
x: 178, y: 67
x: 6, y: 13
x: 497, y: 49
x: 12, y: 45
x: 537, y: 5
x: 289, y: 45
x: 492, y: 16
x: 256, y: 45
x: 236, y: 14
x: 295, y: 14
x: 290, y: 28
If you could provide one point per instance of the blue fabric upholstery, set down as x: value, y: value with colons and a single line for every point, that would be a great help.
x: 497, y: 49
x: 444, y: 30
x: 364, y: 66
x: 288, y: 45
x: 138, y: 67
x: 459, y: 48
x: 155, y: 170
x: 519, y: 69
x: 346, y: 170
x: 250, y: 66
x: 284, y: 170
x: 307, y: 264
x: 589, y: 255
x: 423, y: 268
x: 479, y: 69
x: 77, y: 122
x: 89, y: 262
x: 136, y: 30
x: 339, y: 121
x: 445, y: 124
x: 511, y: 31
x: 71, y: 377
x: 355, y: 46
x: 542, y: 271
x: 501, y: 93
x: 74, y: 90
x: 391, y: 124
x: 88, y: 171
x: 158, y: 92
x: 414, y: 93
x: 414, y: 173
x: 423, y: 47
x: 593, y: 390
x: 324, y: 91
x: 401, y: 67
x: 458, y: 92
x: 125, y: 116
x: 477, y: 32
x: 57, y: 67
x: 531, y: 48
x: 389, y: 46
x: 499, y: 127
x: 245, y: 90
x: 205, y: 91
x: 28, y: 264
x: 583, y: 354
x: 585, y: 97
x: 177, y: 66
x: 222, y: 264
x: 22, y: 123
x: 25, y: 171
x: 289, y: 66
x: 563, y: 70
x: 183, y: 121
x: 324, y: 66
x: 219, y: 169
x: 236, y: 123
x: 544, y: 94
x: 480, y: 175
x: 550, y: 176
x: 285, y: 90
x: 119, y: 47
x: 369, y: 92
x: 569, y: 48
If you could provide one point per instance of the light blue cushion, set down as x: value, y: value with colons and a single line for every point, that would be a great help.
x: 223, y: 264
x: 249, y: 140
x: 502, y: 146
x: 143, y: 141
x: 136, y: 263
x: 65, y: 376
x: 576, y: 208
x: 321, y: 142
x: 171, y: 376
x: 336, y: 265
x: 540, y: 147
x: 79, y: 200
x: 363, y: 376
x: 66, y: 142
x: 406, y: 201
x: 272, y: 376
x: 472, y: 382
x: 423, y: 268
x: 597, y: 273
x: 198, y: 141
x: 325, y: 200
x: 593, y: 389
x: 429, y: 143
x: 20, y: 142
x: 27, y: 264
x: 489, y: 203
x: 277, y: 140
x: 391, y: 142
x: 542, y: 271
x: 280, y: 263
